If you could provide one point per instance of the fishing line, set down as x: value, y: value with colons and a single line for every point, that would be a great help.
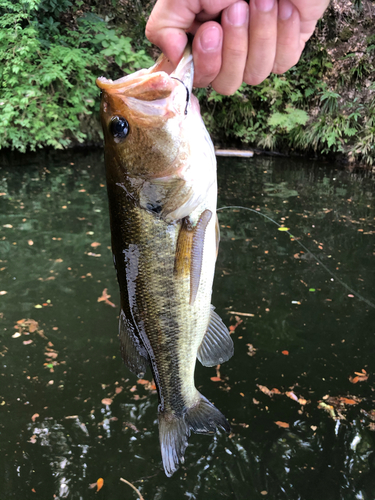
x: 187, y: 93
x: 307, y: 250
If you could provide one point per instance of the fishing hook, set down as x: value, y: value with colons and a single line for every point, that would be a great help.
x: 187, y: 93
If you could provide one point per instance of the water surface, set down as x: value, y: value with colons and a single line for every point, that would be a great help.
x: 302, y: 418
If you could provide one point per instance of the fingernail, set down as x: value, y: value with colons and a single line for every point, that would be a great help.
x: 237, y: 14
x: 210, y: 39
x: 264, y: 5
x: 285, y: 10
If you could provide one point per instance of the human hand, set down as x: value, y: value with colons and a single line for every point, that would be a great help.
x: 249, y: 43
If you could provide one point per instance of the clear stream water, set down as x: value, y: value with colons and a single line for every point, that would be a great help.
x: 302, y: 418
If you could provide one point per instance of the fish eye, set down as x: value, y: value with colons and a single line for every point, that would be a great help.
x: 119, y: 127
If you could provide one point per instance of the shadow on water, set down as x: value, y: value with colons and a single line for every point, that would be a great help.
x: 299, y: 390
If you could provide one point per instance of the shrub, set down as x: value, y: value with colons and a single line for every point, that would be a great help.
x: 48, y: 72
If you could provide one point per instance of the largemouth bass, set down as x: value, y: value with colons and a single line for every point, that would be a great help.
x: 161, y: 181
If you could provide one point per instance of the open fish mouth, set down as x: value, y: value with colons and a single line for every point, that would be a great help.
x: 155, y: 91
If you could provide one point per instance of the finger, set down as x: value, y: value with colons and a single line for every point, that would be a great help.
x: 207, y: 47
x: 307, y: 29
x: 170, y: 19
x: 262, y: 40
x: 309, y: 12
x: 168, y: 34
x: 289, y: 46
x: 235, y: 24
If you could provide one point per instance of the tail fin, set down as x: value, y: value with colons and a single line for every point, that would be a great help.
x: 202, y: 418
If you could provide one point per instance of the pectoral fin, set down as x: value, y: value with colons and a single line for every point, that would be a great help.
x: 197, y: 253
x: 217, y: 235
x: 189, y: 251
x: 217, y: 345
x: 132, y: 349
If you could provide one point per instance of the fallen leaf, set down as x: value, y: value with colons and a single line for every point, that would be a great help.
x: 215, y: 379
x: 233, y: 327
x: 51, y: 354
x: 27, y: 342
x: 284, y: 425
x: 348, y: 401
x: 286, y: 353
x: 34, y: 417
x: 267, y: 391
x: 327, y: 408
x: 3, y: 292
x: 104, y: 298
x: 32, y: 325
x: 251, y: 350
x: 99, y: 484
x: 95, y: 244
x: 107, y: 401
x: 133, y: 389
x: 291, y: 395
x: 16, y: 335
x: 359, y: 377
x: 118, y: 390
x: 142, y: 381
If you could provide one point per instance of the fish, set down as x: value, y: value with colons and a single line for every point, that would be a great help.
x: 162, y: 193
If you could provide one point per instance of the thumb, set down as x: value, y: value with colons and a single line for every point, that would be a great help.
x: 166, y: 27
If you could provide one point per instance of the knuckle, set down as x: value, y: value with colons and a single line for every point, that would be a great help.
x: 255, y: 78
x: 225, y: 88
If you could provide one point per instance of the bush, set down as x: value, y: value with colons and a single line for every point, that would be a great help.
x: 48, y: 69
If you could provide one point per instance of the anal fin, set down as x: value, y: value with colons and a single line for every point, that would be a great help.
x: 132, y: 349
x: 217, y: 344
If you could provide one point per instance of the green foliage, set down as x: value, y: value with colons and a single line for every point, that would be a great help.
x: 302, y: 110
x: 48, y: 72
x: 289, y: 120
x: 51, y: 52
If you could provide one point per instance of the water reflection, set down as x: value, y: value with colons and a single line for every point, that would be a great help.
x: 71, y: 413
